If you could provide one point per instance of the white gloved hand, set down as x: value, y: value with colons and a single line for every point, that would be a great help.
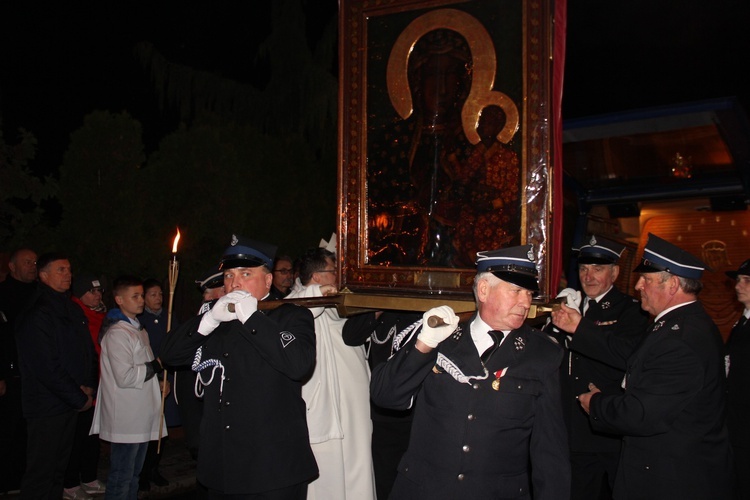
x: 433, y: 335
x: 246, y: 307
x: 220, y: 313
x: 572, y: 298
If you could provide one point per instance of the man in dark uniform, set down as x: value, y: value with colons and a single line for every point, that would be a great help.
x: 377, y: 330
x: 488, y: 420
x: 671, y: 412
x: 606, y: 311
x: 737, y: 361
x: 254, y: 441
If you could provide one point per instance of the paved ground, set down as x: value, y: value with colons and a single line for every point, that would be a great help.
x: 176, y: 466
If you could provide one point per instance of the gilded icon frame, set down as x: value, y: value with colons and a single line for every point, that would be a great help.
x: 377, y: 38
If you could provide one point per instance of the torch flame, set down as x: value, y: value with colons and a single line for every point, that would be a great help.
x: 176, y: 239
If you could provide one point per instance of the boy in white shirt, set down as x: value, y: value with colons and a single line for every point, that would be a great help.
x: 129, y: 399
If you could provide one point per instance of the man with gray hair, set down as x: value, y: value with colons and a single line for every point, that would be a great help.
x: 671, y: 411
x: 487, y: 420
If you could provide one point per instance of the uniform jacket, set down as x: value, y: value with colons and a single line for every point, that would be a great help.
x: 738, y: 383
x: 671, y: 412
x: 56, y: 355
x: 128, y: 406
x: 469, y: 440
x: 620, y: 316
x: 254, y: 431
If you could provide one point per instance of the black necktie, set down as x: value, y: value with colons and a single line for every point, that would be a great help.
x: 497, y: 337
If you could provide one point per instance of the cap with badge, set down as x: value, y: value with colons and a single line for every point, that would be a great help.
x: 743, y: 270
x: 214, y: 278
x: 83, y: 283
x: 660, y: 255
x: 599, y: 250
x: 515, y: 265
x: 244, y: 252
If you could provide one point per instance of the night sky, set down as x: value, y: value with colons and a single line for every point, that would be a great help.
x: 62, y: 60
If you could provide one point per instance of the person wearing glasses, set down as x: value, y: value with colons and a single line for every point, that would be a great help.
x: 283, y: 277
x: 337, y: 394
x: 80, y: 477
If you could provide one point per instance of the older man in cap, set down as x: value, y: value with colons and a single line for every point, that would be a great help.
x: 606, y: 311
x: 254, y: 441
x: 487, y: 419
x: 737, y: 361
x: 671, y: 410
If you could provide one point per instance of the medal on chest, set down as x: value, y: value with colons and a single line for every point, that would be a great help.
x: 498, y: 375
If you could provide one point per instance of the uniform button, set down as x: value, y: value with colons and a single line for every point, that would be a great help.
x: 226, y: 428
x: 475, y: 386
x: 466, y: 448
x: 460, y: 477
x: 648, y: 467
x: 520, y: 387
x: 576, y: 378
x: 226, y: 355
x: 226, y: 404
x: 253, y: 331
x: 470, y: 417
x: 227, y: 379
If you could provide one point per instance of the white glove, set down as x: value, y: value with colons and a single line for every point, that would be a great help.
x: 433, y: 335
x: 246, y: 307
x: 572, y: 298
x: 219, y: 313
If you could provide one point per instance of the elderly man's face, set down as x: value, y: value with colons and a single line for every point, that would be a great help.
x: 596, y: 279
x: 57, y: 275
x: 283, y: 275
x: 23, y: 267
x: 502, y: 305
x: 254, y: 280
x: 655, y: 289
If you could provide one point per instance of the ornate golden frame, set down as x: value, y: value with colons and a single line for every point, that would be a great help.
x: 363, y: 25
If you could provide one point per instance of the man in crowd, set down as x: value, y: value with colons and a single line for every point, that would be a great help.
x: 251, y: 364
x: 283, y: 277
x: 337, y: 393
x: 15, y: 292
x: 59, y: 375
x: 606, y: 311
x: 487, y: 420
x: 671, y: 411
x: 737, y: 361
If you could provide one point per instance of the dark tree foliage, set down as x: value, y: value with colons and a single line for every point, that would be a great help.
x: 22, y: 194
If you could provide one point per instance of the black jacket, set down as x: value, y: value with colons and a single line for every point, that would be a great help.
x: 619, y: 316
x: 14, y: 297
x: 254, y: 431
x: 470, y: 439
x: 738, y: 383
x: 675, y: 443
x: 56, y: 355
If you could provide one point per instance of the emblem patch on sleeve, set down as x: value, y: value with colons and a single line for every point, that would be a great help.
x: 286, y: 339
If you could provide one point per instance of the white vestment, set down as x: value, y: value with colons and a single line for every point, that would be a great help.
x: 338, y: 410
